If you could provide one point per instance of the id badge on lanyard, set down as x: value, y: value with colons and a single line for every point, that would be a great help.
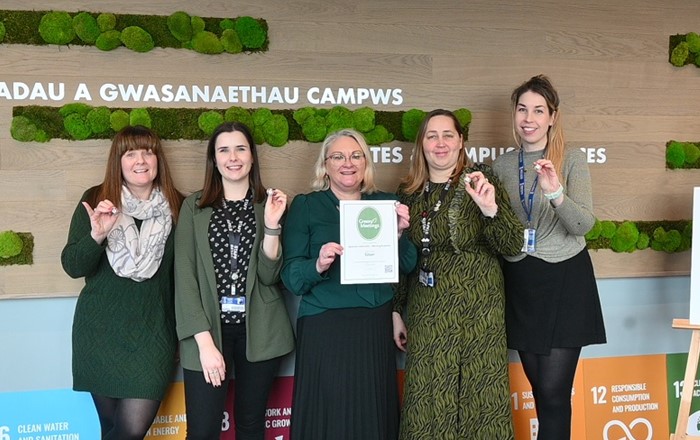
x: 426, y: 278
x: 529, y: 234
x: 233, y: 303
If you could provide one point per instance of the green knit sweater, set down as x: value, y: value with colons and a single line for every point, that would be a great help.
x: 123, y: 331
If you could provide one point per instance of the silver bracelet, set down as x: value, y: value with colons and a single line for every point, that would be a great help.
x: 270, y: 231
x: 555, y: 194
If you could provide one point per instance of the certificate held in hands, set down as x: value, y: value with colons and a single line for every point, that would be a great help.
x: 368, y: 234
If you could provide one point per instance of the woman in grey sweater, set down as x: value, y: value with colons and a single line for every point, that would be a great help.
x: 552, y: 303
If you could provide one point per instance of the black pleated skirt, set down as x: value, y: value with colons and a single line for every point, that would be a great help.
x: 345, y: 376
x: 552, y: 304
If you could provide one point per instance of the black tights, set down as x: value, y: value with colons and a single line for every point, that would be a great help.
x: 125, y: 419
x: 551, y: 378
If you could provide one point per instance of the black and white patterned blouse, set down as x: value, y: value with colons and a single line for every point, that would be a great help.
x: 235, y: 215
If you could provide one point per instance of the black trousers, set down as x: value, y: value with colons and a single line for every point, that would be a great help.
x: 205, y: 404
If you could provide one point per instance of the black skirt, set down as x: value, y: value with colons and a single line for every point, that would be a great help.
x: 345, y: 376
x: 552, y: 305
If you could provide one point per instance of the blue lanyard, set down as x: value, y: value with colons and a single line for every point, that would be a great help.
x: 521, y: 186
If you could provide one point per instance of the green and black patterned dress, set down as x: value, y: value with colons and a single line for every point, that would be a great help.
x: 456, y: 383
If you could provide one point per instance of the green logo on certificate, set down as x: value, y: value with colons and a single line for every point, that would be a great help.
x: 369, y: 223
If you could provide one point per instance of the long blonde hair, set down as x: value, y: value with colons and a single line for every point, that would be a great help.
x: 541, y: 85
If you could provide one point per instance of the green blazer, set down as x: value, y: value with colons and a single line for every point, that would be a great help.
x: 269, y: 331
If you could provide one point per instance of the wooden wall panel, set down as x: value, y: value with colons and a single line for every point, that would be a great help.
x: 608, y: 60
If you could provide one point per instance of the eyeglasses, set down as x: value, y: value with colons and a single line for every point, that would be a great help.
x: 338, y: 159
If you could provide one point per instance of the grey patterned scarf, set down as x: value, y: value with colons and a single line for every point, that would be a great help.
x: 135, y: 253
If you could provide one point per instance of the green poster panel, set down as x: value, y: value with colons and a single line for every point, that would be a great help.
x: 675, y: 367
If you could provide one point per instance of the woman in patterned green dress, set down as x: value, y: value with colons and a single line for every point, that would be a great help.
x: 456, y: 382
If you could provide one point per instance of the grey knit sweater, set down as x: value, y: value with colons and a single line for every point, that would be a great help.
x: 560, y: 230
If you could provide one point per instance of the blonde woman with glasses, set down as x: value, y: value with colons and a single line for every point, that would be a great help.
x: 345, y: 379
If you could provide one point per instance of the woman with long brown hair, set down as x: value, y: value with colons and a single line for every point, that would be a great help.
x: 231, y: 316
x: 120, y: 240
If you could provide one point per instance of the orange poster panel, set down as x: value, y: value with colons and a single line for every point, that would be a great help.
x: 523, y: 405
x: 277, y: 416
x: 400, y: 380
x: 626, y: 397
x: 170, y: 422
